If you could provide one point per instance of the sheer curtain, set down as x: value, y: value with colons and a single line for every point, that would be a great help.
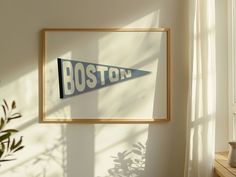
x: 200, y: 143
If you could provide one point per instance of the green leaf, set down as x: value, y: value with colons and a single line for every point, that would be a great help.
x: 2, y: 123
x: 13, y: 144
x: 19, y: 142
x: 15, y: 115
x: 6, y: 104
x: 19, y: 148
x: 6, y: 160
x: 9, y: 131
x: 1, y: 153
x: 13, y: 105
x: 8, y: 143
x: 3, y: 137
x: 2, y: 149
x: 4, y: 110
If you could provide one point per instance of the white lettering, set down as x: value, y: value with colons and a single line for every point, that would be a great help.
x: 68, y: 81
x: 125, y: 74
x: 92, y: 81
x: 79, y: 81
x: 114, y: 74
x: 102, y: 70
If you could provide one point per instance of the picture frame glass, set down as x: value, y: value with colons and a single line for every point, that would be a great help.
x: 129, y: 82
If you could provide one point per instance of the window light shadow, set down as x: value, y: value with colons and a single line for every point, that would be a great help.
x: 72, y: 150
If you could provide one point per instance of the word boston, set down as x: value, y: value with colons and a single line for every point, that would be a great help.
x: 76, y: 77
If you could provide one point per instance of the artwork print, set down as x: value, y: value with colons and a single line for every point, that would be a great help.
x: 105, y: 75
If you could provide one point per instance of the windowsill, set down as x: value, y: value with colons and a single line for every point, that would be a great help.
x: 222, y: 168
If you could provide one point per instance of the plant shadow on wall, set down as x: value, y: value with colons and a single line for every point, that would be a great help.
x: 52, y: 157
x: 129, y: 163
x: 9, y: 144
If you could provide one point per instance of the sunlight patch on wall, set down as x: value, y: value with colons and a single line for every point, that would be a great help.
x: 112, y: 141
x: 150, y: 20
x: 44, y: 144
x: 24, y: 91
x: 143, y: 51
x: 55, y: 107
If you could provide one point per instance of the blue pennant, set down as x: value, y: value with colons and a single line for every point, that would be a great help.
x: 77, y: 77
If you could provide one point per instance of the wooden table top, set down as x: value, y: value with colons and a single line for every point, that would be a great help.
x: 222, y: 167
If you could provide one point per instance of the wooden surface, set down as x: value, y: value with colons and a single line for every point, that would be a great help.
x: 222, y: 168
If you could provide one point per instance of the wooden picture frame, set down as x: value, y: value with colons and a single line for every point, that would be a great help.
x: 138, y: 45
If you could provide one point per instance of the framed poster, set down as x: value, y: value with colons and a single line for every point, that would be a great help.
x: 105, y: 75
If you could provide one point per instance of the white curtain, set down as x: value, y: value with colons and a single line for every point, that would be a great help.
x: 200, y: 144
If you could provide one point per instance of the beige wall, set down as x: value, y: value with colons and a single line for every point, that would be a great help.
x: 85, y: 150
x: 221, y: 76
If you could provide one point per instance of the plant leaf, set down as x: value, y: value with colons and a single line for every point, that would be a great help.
x: 13, y: 144
x: 3, y: 137
x: 5, y: 160
x: 3, y: 146
x: 13, y: 105
x: 9, y: 131
x: 18, y: 143
x: 1, y: 153
x: 6, y: 104
x: 16, y: 116
x: 4, y: 110
x: 8, y: 143
x: 19, y: 148
x: 2, y: 123
x: 2, y: 149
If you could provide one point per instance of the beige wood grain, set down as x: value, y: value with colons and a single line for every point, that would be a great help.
x: 222, y: 167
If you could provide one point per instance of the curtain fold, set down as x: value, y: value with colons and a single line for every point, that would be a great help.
x: 200, y: 143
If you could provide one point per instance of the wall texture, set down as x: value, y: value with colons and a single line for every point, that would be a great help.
x: 221, y: 76
x: 86, y: 150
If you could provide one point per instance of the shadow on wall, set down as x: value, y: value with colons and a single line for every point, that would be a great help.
x: 77, y: 150
x: 129, y: 163
x: 40, y: 163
